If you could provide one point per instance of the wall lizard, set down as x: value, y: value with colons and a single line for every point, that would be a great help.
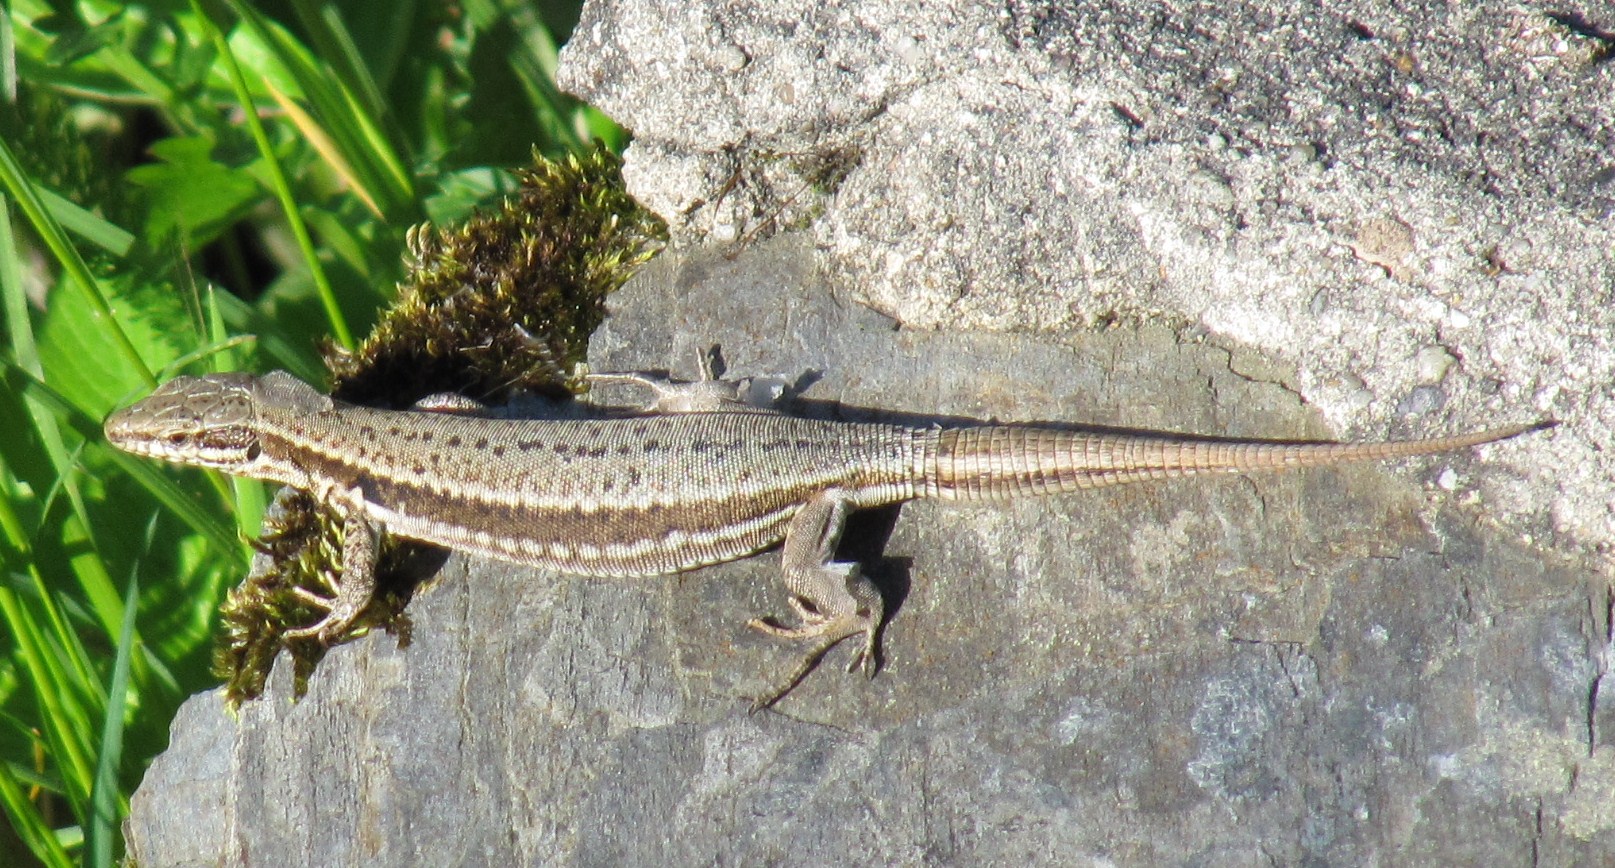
x: 700, y: 477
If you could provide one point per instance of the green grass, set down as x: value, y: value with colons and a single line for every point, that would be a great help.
x: 190, y: 187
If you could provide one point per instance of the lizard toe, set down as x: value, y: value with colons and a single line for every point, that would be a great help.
x: 329, y: 628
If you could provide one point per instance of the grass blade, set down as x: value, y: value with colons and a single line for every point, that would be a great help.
x: 106, y: 801
x: 29, y: 825
x: 282, y: 186
x: 376, y: 162
x: 22, y: 190
x: 110, y: 237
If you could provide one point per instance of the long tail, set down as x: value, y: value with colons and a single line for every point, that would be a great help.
x: 1000, y: 461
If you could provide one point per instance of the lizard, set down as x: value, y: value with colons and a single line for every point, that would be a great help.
x: 695, y: 477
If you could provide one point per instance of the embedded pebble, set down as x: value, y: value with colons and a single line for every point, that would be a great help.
x: 1432, y: 364
x: 1422, y: 400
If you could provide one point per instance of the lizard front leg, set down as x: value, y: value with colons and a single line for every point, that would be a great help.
x: 672, y: 396
x: 357, y: 582
x: 834, y: 599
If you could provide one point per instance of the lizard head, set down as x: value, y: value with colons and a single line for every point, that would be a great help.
x: 201, y: 421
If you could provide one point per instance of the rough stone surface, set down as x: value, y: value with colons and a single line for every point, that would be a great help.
x: 1352, y: 665
x: 1228, y: 220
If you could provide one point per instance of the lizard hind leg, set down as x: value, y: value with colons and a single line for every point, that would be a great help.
x: 834, y: 599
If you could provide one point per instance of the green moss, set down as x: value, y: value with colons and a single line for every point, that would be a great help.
x: 504, y: 303
x: 508, y: 300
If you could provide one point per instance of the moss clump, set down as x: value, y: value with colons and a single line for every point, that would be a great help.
x: 503, y: 303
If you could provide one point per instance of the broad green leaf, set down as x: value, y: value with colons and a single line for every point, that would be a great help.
x: 189, y: 192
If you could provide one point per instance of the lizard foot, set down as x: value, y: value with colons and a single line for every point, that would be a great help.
x: 802, y: 670
x: 829, y: 630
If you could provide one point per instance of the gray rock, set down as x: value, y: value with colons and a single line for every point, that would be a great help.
x: 1228, y: 221
x: 1337, y: 665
